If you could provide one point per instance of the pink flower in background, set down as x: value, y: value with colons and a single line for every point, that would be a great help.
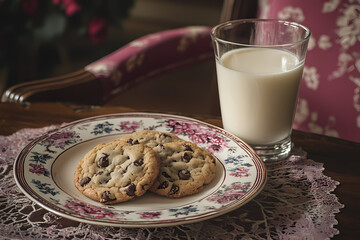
x: 31, y: 7
x: 97, y: 30
x: 71, y: 6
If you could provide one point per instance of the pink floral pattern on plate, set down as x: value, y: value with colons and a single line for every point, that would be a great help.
x: 199, y: 134
x: 230, y: 193
x: 89, y: 210
x: 45, y: 162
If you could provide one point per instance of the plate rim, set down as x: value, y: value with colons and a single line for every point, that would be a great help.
x: 252, y: 193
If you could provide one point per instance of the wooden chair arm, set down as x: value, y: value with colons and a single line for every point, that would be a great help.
x: 79, y: 87
x: 139, y: 60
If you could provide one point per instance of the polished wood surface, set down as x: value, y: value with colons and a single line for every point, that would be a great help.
x: 341, y: 158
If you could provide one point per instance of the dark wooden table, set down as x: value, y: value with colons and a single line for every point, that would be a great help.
x: 341, y: 158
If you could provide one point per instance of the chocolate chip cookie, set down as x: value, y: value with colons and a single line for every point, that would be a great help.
x: 150, y: 138
x: 184, y: 169
x: 116, y: 172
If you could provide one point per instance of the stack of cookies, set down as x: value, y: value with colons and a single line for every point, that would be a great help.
x: 128, y: 167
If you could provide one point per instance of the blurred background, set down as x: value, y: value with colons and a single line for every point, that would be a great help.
x: 42, y: 39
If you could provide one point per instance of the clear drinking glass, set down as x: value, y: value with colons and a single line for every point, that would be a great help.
x: 259, y: 66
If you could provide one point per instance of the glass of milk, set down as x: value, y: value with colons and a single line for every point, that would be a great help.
x: 259, y: 66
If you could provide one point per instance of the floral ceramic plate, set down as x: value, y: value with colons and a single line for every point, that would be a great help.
x: 44, y: 171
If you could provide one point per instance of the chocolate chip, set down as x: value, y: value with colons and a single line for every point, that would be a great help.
x: 139, y: 162
x: 188, y: 148
x: 85, y: 181
x: 186, y: 157
x: 163, y: 185
x: 165, y: 174
x: 174, y: 189
x: 105, y: 197
x: 104, y: 161
x: 132, y: 142
x: 130, y: 190
x: 99, y: 173
x: 184, y: 174
x: 165, y: 135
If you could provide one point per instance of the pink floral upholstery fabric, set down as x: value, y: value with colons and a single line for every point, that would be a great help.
x: 151, y: 55
x: 329, y: 97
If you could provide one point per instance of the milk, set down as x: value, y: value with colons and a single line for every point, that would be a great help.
x: 258, y: 89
